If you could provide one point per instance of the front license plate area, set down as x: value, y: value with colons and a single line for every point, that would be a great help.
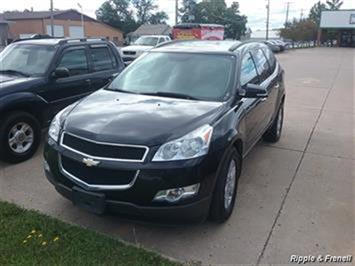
x: 90, y: 201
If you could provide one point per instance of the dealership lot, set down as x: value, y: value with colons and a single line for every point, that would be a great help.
x: 295, y: 197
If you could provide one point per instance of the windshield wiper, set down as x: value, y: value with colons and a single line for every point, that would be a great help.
x: 16, y: 72
x: 120, y: 90
x: 171, y: 95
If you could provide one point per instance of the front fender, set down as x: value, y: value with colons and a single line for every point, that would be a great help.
x: 228, y: 130
x: 24, y: 101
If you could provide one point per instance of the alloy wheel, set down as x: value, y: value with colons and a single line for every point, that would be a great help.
x: 230, y: 184
x: 21, y: 137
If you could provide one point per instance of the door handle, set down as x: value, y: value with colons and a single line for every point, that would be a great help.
x: 88, y: 81
x: 263, y: 99
x: 277, y: 85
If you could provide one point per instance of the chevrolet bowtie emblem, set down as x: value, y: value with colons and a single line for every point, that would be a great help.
x: 90, y: 162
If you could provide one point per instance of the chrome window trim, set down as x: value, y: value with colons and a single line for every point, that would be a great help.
x: 95, y: 187
x: 104, y: 143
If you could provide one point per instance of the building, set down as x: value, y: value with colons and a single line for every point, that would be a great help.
x: 148, y: 29
x: 67, y: 23
x: 338, y: 25
x: 4, y: 33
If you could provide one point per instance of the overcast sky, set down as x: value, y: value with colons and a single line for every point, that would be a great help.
x: 254, y: 9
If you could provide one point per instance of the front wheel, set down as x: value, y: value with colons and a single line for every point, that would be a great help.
x: 226, y: 187
x: 20, y: 135
x: 273, y: 134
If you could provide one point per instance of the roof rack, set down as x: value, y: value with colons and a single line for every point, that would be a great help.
x: 237, y: 45
x: 168, y: 43
x: 175, y: 41
x: 35, y: 37
x: 81, y: 40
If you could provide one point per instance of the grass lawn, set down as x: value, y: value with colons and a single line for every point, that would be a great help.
x: 30, y: 238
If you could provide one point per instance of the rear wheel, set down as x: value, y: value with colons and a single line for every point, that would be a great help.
x: 226, y: 187
x: 20, y: 135
x: 273, y: 134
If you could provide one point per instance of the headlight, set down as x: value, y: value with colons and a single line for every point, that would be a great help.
x: 54, y: 128
x: 192, y: 145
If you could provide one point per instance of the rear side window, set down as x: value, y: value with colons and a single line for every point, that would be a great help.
x: 248, y: 72
x: 271, y: 59
x: 101, y: 58
x: 75, y: 61
x: 262, y: 65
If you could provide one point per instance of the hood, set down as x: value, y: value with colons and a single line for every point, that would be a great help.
x: 110, y: 116
x: 6, y: 78
x: 137, y: 48
x: 14, y: 83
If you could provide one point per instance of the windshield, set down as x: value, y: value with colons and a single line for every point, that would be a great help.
x: 29, y: 59
x: 149, y: 41
x: 198, y: 76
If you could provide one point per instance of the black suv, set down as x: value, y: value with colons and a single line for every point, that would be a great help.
x: 167, y: 137
x: 39, y: 77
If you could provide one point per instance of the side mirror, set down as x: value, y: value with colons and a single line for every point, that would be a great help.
x: 61, y: 72
x: 253, y: 91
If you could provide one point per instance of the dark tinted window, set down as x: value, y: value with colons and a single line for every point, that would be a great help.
x: 75, y: 61
x: 262, y: 65
x: 101, y: 58
x: 271, y: 58
x: 248, y: 71
x: 202, y: 76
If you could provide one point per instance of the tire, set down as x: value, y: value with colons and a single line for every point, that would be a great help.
x: 273, y: 134
x: 13, y: 124
x: 220, y: 211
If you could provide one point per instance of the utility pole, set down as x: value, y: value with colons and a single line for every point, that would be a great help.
x: 82, y: 19
x: 267, y: 19
x: 176, y: 11
x: 52, y: 19
x: 287, y: 12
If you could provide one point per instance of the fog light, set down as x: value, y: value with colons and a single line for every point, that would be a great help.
x: 176, y: 194
x: 46, y: 166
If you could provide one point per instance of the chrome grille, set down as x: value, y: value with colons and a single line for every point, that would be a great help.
x: 103, y: 150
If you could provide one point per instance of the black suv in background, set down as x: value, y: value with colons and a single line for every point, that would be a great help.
x: 167, y: 137
x: 39, y: 77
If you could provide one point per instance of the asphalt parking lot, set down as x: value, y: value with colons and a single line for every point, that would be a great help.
x: 295, y: 197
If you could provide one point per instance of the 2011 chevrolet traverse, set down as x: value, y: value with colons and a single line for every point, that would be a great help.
x: 168, y: 136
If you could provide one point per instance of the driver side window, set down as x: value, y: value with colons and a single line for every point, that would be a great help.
x: 75, y: 61
x: 248, y: 72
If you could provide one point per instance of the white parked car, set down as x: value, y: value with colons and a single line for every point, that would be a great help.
x: 141, y: 45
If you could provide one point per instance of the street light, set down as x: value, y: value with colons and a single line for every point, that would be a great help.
x: 82, y: 18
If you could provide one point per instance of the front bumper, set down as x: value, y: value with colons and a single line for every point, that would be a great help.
x: 137, y: 201
x: 192, y: 212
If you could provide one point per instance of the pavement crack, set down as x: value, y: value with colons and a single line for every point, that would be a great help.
x: 298, y: 166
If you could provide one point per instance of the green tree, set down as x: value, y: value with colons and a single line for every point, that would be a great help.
x: 216, y: 11
x: 316, y: 12
x: 117, y: 14
x: 235, y: 24
x: 159, y: 17
x: 120, y: 14
x: 300, y: 30
x: 334, y: 4
x: 188, y: 10
x: 144, y: 9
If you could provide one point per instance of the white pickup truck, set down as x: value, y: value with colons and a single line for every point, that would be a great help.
x: 141, y: 45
